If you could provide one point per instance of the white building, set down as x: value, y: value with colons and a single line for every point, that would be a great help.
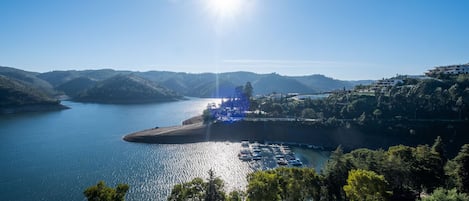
x: 388, y: 82
x: 449, y: 70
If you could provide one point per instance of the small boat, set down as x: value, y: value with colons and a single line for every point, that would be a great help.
x: 282, y: 161
x: 256, y: 150
x: 295, y: 162
x: 256, y: 157
x: 245, y: 157
x: 279, y: 156
x: 245, y: 151
x: 245, y: 143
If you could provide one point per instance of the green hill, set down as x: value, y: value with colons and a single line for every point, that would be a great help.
x: 17, y: 97
x: 57, y: 78
x: 76, y: 86
x: 280, y: 84
x: 126, y: 89
x: 74, y: 82
x: 28, y: 78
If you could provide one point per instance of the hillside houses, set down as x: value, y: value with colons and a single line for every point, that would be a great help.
x: 449, y: 70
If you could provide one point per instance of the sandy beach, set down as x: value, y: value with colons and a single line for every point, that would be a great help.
x: 292, y: 132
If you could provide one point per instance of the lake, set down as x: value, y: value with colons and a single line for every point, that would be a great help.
x: 56, y: 155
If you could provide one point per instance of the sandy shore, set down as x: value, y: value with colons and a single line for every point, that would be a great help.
x: 292, y: 132
x: 350, y: 137
x: 172, y: 135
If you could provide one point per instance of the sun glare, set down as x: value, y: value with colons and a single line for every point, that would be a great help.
x: 225, y: 8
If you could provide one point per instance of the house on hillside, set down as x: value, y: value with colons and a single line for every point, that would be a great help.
x: 449, y: 70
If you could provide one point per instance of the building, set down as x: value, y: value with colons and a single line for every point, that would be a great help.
x: 449, y: 70
x: 390, y: 82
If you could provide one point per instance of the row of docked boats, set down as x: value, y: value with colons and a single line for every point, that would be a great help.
x: 281, y: 153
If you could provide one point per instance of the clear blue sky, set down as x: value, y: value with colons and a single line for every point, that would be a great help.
x: 353, y: 39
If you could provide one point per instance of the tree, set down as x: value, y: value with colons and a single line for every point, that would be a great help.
x: 439, y: 147
x: 236, y: 196
x: 364, y: 185
x: 335, y: 175
x: 377, y: 113
x: 462, y: 169
x: 197, y: 189
x: 263, y: 186
x: 214, y: 188
x: 399, y: 166
x: 101, y: 192
x: 427, y: 169
x: 441, y: 194
x: 248, y: 90
x: 308, y: 113
x: 284, y: 184
x: 193, y: 190
x: 239, y: 91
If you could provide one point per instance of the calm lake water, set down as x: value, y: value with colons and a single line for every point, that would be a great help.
x: 56, y: 155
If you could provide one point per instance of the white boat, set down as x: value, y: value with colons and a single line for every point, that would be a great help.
x: 245, y: 157
x: 282, y: 161
x: 295, y: 162
x: 245, y: 143
x: 245, y: 151
x: 256, y: 157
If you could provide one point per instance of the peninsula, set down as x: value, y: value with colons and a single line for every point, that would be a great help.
x: 393, y: 111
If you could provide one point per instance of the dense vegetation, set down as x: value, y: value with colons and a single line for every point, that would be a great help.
x: 90, y: 85
x: 399, y: 173
x: 17, y: 96
x: 413, y: 112
x: 126, y: 89
x: 414, y: 99
x: 14, y: 93
x: 205, y: 84
x: 101, y: 192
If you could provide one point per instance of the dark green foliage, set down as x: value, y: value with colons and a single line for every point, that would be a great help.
x: 461, y: 162
x: 194, y: 190
x: 236, y: 195
x: 400, y: 173
x: 415, y: 99
x: 101, y: 192
x: 284, y: 184
x: 364, y: 185
x: 29, y: 79
x: 14, y: 93
x: 439, y: 147
x: 197, y: 189
x: 76, y: 86
x: 214, y: 188
x: 248, y: 90
x: 441, y: 194
x: 270, y: 83
x: 126, y: 89
x: 335, y: 175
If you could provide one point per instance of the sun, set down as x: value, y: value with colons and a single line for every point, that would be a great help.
x: 223, y: 9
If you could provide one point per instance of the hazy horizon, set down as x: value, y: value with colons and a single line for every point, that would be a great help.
x: 343, y: 40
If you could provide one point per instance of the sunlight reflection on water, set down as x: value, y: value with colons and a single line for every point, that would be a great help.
x: 182, y: 163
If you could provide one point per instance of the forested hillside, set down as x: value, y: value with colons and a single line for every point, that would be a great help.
x: 16, y: 97
x: 126, y: 89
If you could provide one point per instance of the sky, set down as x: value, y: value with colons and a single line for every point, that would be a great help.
x: 349, y: 39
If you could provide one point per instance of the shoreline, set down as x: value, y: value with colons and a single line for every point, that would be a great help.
x: 307, y: 133
x: 262, y: 131
x: 32, y: 108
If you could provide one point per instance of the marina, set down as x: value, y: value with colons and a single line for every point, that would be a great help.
x: 263, y: 156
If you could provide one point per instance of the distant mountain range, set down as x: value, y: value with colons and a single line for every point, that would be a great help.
x: 111, y: 86
x: 206, y: 84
